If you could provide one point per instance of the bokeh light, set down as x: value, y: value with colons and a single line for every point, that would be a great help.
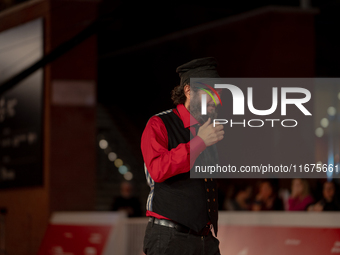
x: 118, y: 162
x: 103, y: 144
x: 331, y: 111
x: 112, y: 156
x: 324, y: 122
x: 123, y: 169
x: 128, y: 176
x: 319, y: 132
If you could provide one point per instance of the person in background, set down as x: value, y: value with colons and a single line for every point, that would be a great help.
x: 300, y: 198
x: 267, y: 199
x: 241, y: 198
x: 329, y: 201
x: 127, y: 202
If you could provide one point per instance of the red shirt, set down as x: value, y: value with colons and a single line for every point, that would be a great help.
x: 159, y: 161
x: 295, y: 204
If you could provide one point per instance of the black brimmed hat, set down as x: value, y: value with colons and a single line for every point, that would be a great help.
x: 198, y: 68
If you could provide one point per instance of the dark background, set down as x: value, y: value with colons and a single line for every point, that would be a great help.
x: 140, y: 44
x: 129, y: 60
x: 152, y: 76
x: 138, y: 55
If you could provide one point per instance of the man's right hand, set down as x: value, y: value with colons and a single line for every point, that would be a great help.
x: 210, y: 134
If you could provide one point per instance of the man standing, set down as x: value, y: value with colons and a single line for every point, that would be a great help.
x: 181, y: 210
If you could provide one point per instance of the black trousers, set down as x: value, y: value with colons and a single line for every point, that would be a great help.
x: 160, y: 240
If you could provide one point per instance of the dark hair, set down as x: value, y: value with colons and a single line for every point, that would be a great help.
x: 239, y: 188
x: 331, y: 181
x: 273, y: 183
x: 177, y: 95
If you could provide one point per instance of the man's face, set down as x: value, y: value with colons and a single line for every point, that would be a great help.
x: 328, y: 191
x: 195, y: 105
x: 266, y: 190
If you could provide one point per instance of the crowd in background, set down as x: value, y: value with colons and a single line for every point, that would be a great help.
x: 267, y: 197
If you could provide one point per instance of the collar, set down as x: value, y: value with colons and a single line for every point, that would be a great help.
x: 185, y: 116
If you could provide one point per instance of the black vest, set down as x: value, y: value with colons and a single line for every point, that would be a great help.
x: 191, y: 202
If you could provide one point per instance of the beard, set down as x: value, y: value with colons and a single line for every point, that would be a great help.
x: 195, y: 109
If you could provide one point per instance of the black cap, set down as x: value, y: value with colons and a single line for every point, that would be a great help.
x: 198, y: 68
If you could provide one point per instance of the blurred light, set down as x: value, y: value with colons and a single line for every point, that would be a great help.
x: 329, y: 172
x: 324, y: 122
x: 118, y: 162
x: 128, y: 176
x: 339, y: 96
x: 331, y: 111
x: 103, y: 144
x: 319, y: 132
x: 123, y: 169
x: 112, y: 156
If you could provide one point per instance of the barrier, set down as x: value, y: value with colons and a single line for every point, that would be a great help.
x: 85, y: 233
x: 279, y: 233
x: 240, y: 233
